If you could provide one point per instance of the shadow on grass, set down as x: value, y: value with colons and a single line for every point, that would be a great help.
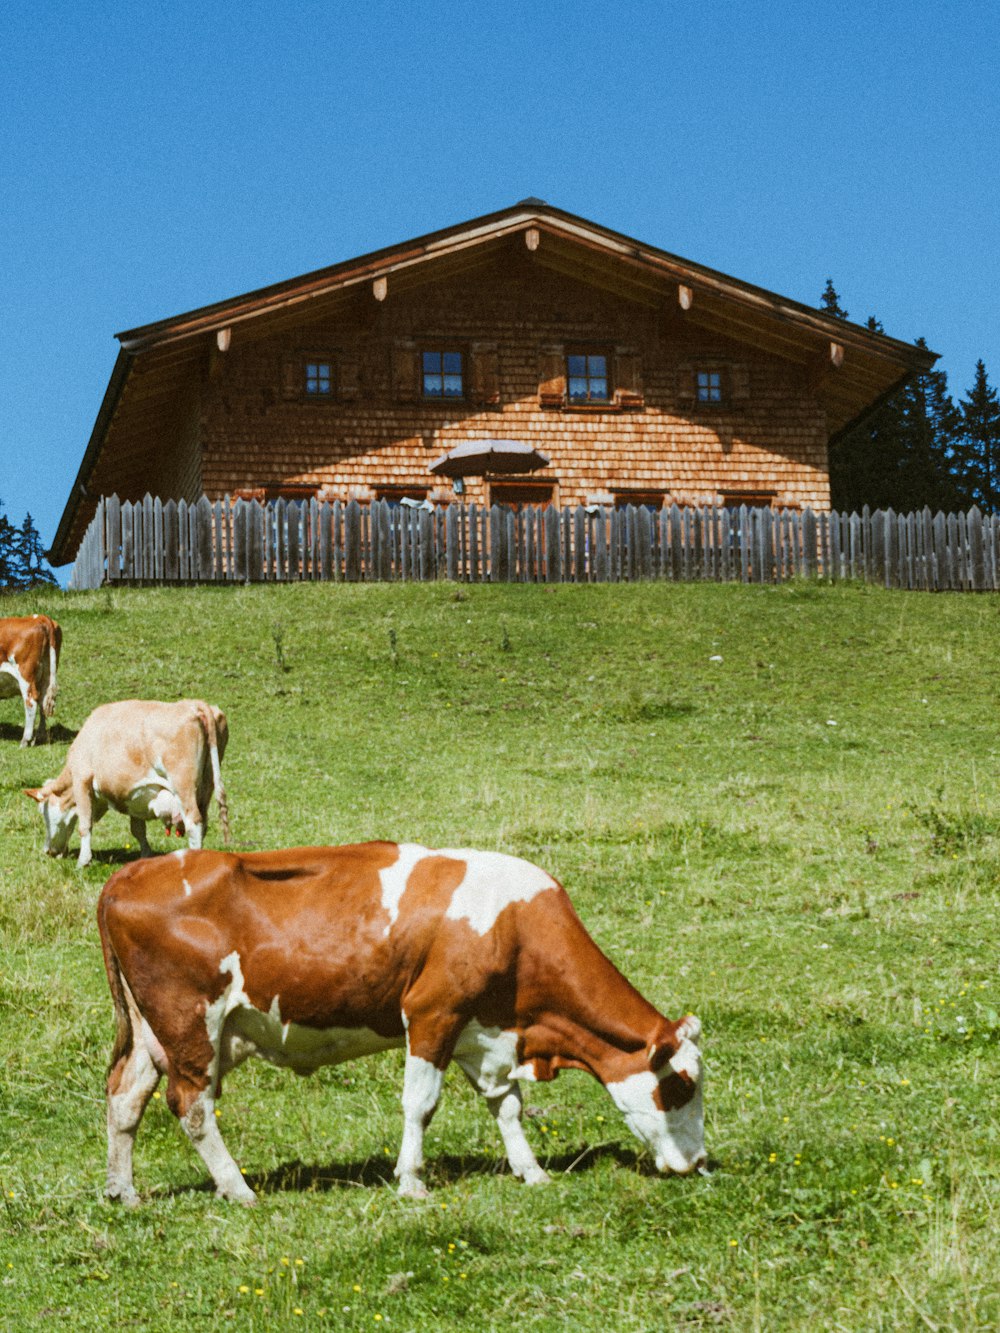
x: 308, y: 1178
x: 57, y: 734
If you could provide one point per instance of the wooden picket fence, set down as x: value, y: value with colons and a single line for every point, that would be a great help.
x: 154, y: 542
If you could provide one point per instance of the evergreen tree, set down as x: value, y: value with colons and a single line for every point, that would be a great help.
x: 830, y: 301
x: 901, y: 457
x: 7, y: 534
x: 977, y: 452
x: 29, y: 559
x: 22, y: 560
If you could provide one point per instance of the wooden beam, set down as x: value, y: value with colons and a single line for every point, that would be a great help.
x: 380, y: 288
x: 223, y: 337
x: 685, y: 296
x: 836, y: 355
x: 532, y: 238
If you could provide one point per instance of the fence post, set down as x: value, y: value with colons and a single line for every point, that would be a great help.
x: 553, y: 564
x: 352, y: 542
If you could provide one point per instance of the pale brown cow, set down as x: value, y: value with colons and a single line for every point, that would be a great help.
x: 29, y: 656
x: 317, y: 955
x: 146, y: 759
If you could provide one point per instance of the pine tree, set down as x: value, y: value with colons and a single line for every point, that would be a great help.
x: 7, y: 563
x: 977, y: 452
x: 830, y: 301
x: 29, y: 558
x: 902, y: 456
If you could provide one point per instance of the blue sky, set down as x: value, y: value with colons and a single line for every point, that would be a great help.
x: 158, y: 157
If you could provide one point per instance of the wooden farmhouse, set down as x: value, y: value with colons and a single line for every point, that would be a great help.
x: 642, y: 377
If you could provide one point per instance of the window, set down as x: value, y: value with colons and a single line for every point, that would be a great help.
x: 708, y: 386
x: 650, y: 499
x: 397, y: 495
x: 752, y: 499
x: 517, y: 494
x: 442, y: 375
x: 587, y: 378
x: 319, y: 379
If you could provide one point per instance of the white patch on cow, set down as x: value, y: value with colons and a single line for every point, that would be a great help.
x: 687, y: 1060
x: 187, y: 888
x: 492, y: 881
x: 675, y: 1138
x: 488, y: 1058
x: 394, y: 878
x: 180, y: 854
x: 239, y: 1030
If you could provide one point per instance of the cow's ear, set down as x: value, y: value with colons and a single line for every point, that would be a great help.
x: 35, y: 793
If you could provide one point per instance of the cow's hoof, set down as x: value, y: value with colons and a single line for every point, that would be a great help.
x: 412, y: 1188
x: 239, y: 1194
x: 123, y: 1194
x: 536, y: 1176
x: 24, y: 744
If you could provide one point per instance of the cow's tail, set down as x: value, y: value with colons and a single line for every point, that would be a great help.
x: 207, y: 719
x: 123, y: 1022
x: 54, y: 636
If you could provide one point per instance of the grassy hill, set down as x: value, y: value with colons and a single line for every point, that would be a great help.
x: 775, y: 807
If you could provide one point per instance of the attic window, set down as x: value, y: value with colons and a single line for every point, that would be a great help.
x: 319, y: 379
x: 708, y: 386
x: 442, y: 374
x: 587, y: 378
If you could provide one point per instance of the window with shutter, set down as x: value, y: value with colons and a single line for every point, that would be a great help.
x: 551, y: 375
x: 405, y: 371
x: 485, y: 374
x: 628, y: 378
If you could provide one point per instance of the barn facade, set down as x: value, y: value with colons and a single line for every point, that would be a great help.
x: 643, y: 378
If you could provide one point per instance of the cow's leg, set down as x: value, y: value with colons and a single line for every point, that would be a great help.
x: 196, y: 1111
x: 131, y: 1083
x: 88, y: 813
x: 422, y: 1082
x: 194, y: 828
x: 486, y: 1061
x: 138, y: 827
x: 29, y: 696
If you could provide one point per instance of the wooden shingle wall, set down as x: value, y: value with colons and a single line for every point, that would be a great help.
x: 508, y: 315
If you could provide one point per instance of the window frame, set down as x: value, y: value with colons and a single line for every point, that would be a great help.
x: 539, y: 494
x: 441, y: 350
x: 723, y: 387
x: 587, y: 351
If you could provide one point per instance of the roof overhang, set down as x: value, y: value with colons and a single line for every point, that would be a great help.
x: 853, y: 368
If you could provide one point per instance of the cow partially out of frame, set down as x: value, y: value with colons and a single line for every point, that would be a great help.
x: 29, y: 656
x: 314, y: 956
x: 146, y: 759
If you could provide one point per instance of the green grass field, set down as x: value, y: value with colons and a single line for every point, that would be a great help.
x: 776, y: 807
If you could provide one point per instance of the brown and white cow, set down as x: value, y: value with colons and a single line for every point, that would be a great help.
x: 29, y: 656
x: 317, y: 955
x: 146, y: 759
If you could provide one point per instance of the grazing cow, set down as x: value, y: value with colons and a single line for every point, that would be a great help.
x: 146, y: 759
x: 317, y: 955
x: 29, y: 655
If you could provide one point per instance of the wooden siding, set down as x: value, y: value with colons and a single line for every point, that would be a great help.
x: 508, y: 315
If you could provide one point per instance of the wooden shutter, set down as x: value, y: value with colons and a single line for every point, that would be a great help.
x: 291, y: 376
x: 685, y: 382
x: 484, y: 374
x: 405, y: 371
x: 551, y: 375
x: 739, y: 382
x: 348, y: 376
x: 628, y: 377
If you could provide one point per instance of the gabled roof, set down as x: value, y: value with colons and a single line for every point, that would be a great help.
x: 164, y: 353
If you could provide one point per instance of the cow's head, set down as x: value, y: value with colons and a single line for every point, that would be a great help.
x: 662, y: 1103
x: 59, y: 816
